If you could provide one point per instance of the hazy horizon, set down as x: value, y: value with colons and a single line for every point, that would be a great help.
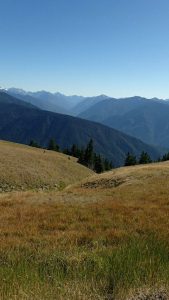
x: 79, y: 95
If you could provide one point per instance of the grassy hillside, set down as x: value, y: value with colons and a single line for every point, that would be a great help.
x: 23, y: 167
x: 103, y: 238
x: 130, y: 176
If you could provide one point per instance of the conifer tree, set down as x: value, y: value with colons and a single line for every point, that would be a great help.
x: 144, y: 158
x: 34, y: 144
x: 98, y: 164
x: 74, y: 150
x: 107, y: 165
x: 67, y: 151
x: 165, y: 157
x: 81, y: 159
x: 130, y: 160
x: 52, y: 145
x: 88, y: 155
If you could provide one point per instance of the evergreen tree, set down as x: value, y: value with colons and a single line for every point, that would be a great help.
x: 98, y: 164
x: 90, y: 159
x: 111, y: 165
x: 67, y: 151
x: 107, y: 165
x: 73, y: 150
x: 88, y: 155
x: 85, y: 156
x: 34, y: 144
x: 81, y: 159
x: 130, y: 160
x: 144, y: 158
x: 52, y: 145
x: 165, y: 157
x: 159, y: 159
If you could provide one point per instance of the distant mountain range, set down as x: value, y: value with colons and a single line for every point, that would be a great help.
x: 56, y: 102
x: 145, y: 119
x: 21, y: 122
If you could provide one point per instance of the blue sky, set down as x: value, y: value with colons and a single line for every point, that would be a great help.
x: 88, y: 47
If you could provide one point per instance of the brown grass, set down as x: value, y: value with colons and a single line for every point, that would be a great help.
x: 134, y: 207
x: 23, y: 167
x: 95, y: 223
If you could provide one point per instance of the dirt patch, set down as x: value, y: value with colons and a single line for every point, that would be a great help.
x: 7, y: 187
x: 104, y: 183
x: 156, y: 295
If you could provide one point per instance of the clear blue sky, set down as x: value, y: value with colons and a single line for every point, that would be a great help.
x: 88, y: 47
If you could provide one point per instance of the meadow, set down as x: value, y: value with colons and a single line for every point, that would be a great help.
x: 25, y: 168
x: 104, y: 238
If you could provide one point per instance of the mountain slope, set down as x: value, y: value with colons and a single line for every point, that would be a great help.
x: 112, y: 107
x: 24, y: 167
x: 66, y: 102
x: 145, y: 119
x: 150, y: 123
x: 21, y: 124
x: 87, y: 103
x: 8, y: 99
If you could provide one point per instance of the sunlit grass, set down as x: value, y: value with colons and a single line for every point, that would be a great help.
x: 23, y: 168
x: 96, y: 272
x: 86, y: 243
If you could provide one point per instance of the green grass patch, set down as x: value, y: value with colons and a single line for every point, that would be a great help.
x: 89, y: 274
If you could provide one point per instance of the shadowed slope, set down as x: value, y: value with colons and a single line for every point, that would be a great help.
x: 21, y: 124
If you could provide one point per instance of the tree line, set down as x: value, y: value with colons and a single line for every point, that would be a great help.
x: 144, y: 158
x: 86, y: 156
x: 89, y: 158
x: 131, y: 159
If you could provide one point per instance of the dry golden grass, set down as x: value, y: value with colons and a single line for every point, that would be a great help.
x: 128, y: 175
x: 100, y: 239
x: 23, y: 167
x: 138, y: 204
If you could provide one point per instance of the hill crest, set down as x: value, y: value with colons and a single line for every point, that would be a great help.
x: 23, y: 167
